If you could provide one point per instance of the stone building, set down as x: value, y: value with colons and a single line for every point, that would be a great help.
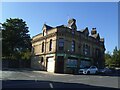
x: 64, y: 49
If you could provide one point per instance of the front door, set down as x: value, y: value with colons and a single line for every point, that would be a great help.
x: 60, y: 64
x: 50, y: 64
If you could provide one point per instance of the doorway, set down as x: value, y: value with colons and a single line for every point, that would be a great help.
x: 60, y: 64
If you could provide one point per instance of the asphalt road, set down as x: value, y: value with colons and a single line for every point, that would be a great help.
x: 42, y: 79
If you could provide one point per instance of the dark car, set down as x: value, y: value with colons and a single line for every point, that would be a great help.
x: 105, y: 71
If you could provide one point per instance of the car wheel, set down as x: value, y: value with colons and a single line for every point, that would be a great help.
x: 88, y: 72
x: 96, y: 72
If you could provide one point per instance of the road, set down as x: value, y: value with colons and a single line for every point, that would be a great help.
x: 42, y: 79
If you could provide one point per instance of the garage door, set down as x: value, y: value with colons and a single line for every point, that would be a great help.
x: 50, y: 65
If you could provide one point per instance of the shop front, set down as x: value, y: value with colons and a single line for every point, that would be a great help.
x: 85, y: 62
x: 71, y: 65
x: 66, y: 63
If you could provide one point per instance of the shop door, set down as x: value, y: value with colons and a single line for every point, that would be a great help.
x: 60, y: 64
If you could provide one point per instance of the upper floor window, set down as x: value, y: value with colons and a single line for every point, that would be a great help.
x: 73, y: 46
x: 61, y: 44
x: 50, y: 45
x: 42, y: 46
x: 73, y: 32
x: 44, y: 32
x: 97, y: 52
x: 32, y: 49
x: 86, y: 49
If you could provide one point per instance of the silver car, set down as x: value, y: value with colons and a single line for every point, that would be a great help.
x: 90, y: 70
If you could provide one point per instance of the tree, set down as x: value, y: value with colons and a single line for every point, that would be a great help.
x: 116, y: 57
x: 108, y: 60
x: 16, y: 41
x: 119, y: 58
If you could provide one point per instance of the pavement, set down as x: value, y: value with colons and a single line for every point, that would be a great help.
x: 28, y: 78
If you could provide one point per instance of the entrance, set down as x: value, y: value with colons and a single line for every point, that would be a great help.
x: 60, y: 64
x: 50, y: 64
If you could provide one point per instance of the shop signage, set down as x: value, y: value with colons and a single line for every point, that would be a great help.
x: 60, y: 54
x: 74, y: 56
x: 86, y: 58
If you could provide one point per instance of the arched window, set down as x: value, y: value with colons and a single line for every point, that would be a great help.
x: 41, y: 59
x: 61, y: 44
x: 42, y: 46
x: 86, y: 49
x: 73, y: 46
x: 50, y: 46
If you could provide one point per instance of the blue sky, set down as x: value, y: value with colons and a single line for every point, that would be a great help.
x: 102, y: 15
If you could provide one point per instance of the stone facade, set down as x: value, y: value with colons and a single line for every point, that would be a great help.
x: 64, y: 49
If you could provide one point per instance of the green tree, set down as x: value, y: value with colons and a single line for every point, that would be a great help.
x: 119, y: 58
x: 116, y: 57
x: 16, y: 42
x: 108, y: 59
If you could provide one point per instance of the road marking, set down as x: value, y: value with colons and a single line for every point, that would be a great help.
x: 51, y: 86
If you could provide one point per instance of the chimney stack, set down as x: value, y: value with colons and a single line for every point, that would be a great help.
x: 93, y: 31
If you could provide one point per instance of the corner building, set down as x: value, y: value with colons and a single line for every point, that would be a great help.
x: 64, y: 49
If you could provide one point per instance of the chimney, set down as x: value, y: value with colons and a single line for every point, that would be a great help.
x: 93, y: 31
x: 102, y: 39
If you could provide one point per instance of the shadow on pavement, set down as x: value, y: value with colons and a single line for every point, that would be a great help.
x: 20, y: 69
x: 44, y: 84
x: 114, y: 73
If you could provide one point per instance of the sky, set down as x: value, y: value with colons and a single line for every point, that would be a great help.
x: 100, y: 15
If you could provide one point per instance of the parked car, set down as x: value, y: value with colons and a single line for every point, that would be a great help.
x: 105, y: 71
x: 90, y: 70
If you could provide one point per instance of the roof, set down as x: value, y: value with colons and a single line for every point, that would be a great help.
x: 47, y: 27
x: 37, y: 35
x: 85, y: 31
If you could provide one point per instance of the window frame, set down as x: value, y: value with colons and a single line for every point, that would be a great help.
x: 73, y: 46
x: 50, y: 45
x: 42, y: 47
x: 61, y: 44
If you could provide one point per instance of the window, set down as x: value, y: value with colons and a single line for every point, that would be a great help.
x: 97, y: 52
x: 86, y: 49
x: 61, y: 44
x: 41, y: 59
x: 33, y: 49
x: 43, y: 47
x: 73, y: 46
x: 44, y: 32
x: 73, y: 32
x: 50, y: 46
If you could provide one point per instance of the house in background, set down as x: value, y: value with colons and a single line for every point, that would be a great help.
x: 64, y: 49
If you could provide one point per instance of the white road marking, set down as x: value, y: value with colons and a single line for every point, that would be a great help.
x: 51, y: 86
